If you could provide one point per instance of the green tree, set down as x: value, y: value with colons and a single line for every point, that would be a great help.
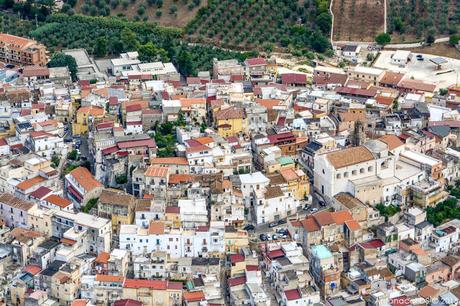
x: 72, y: 155
x: 149, y: 53
x: 60, y: 59
x: 324, y: 22
x: 121, y: 179
x: 129, y: 39
x: 430, y: 36
x: 100, y: 49
x: 453, y: 39
x: 383, y: 39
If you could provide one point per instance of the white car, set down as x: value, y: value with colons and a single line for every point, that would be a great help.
x: 314, y: 209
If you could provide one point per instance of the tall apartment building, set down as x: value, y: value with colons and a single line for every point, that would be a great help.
x: 21, y: 51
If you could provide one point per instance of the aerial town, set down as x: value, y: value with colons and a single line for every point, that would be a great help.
x: 134, y: 180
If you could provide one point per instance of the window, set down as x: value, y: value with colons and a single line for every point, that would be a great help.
x: 345, y: 174
x: 361, y: 170
x: 369, y: 168
x: 338, y: 175
x: 353, y: 172
x: 323, y: 171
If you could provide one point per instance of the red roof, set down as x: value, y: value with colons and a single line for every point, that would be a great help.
x: 104, y: 125
x: 256, y: 61
x: 356, y: 91
x: 275, y: 254
x: 278, y: 138
x: 41, y: 192
x: 234, y: 258
x: 109, y: 150
x: 142, y: 283
x: 133, y: 108
x: 235, y: 281
x: 32, y: 269
x: 292, y: 295
x: 252, y: 268
x: 195, y: 296
x: 137, y: 143
x: 372, y: 244
x: 127, y: 302
x: 294, y: 78
x: 172, y: 210
x: 113, y: 100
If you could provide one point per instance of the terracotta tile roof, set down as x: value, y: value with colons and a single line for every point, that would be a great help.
x: 68, y: 241
x: 428, y: 292
x: 273, y: 192
x: 133, y: 107
x: 188, y: 102
x: 289, y: 174
x: 169, y: 161
x: 416, y: 85
x: 12, y: 201
x: 205, y: 140
x: 391, y: 78
x: 116, y: 198
x: 109, y: 278
x: 92, y: 110
x: 384, y: 100
x: 155, y: 171
x: 269, y: 103
x: 80, y: 302
x: 58, y: 201
x: 196, y: 149
x: 24, y: 185
x: 15, y: 40
x: 310, y: 224
x: 349, y: 116
x: 195, y: 296
x: 180, y: 178
x: 352, y: 225
x: 103, y: 258
x: 142, y: 283
x: 350, y: 156
x: 85, y: 178
x: 30, y: 71
x: 230, y: 113
x: 392, y: 141
x: 32, y: 269
x: 256, y: 61
x: 323, y: 218
x: 341, y: 216
x: 294, y: 78
x: 156, y: 227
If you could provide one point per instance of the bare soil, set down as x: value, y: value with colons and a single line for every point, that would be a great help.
x: 358, y: 20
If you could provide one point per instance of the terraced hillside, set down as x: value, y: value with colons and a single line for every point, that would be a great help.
x: 358, y: 20
x: 263, y: 24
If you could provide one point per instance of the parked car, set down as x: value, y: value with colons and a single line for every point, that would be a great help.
x: 419, y: 57
x: 263, y: 237
x: 306, y: 207
x: 275, y: 236
x: 273, y: 224
x: 282, y: 221
x: 314, y: 209
x: 322, y: 203
x: 249, y: 227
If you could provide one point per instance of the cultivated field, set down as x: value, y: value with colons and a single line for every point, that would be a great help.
x: 165, y: 12
x: 357, y: 20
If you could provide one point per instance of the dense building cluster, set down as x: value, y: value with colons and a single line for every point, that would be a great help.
x: 251, y: 184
